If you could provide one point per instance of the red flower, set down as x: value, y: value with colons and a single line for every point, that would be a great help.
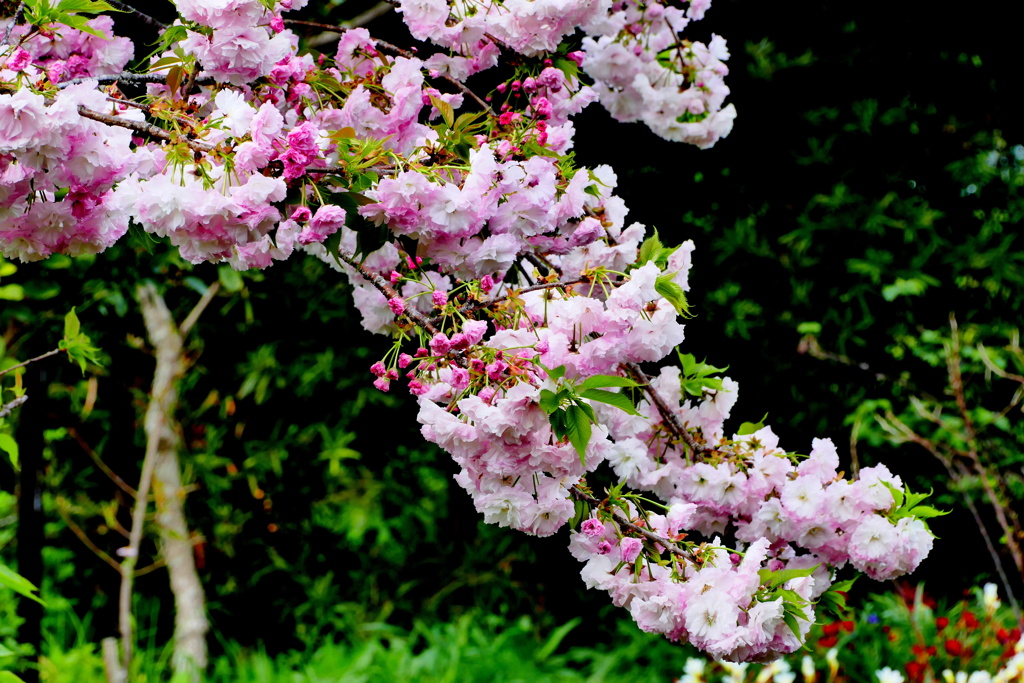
x: 941, y: 623
x: 830, y: 629
x: 828, y: 641
x: 954, y: 647
x: 915, y: 670
x: 970, y: 621
x: 1003, y: 636
x: 848, y: 625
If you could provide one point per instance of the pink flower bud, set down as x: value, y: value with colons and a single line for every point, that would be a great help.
x: 397, y: 305
x: 604, y: 547
x: 592, y: 527
x: 486, y: 284
x: 382, y: 384
x: 439, y: 298
x: 459, y: 341
x: 403, y: 360
x: 394, y: 277
x: 416, y: 388
x: 378, y: 369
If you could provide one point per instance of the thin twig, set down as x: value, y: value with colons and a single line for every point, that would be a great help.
x: 956, y: 383
x: 6, y: 409
x: 132, y: 79
x: 623, y: 520
x: 62, y: 505
x: 53, y: 352
x: 667, y: 415
x: 385, y: 288
x: 401, y: 52
x: 542, y: 263
x: 145, y: 17
x: 144, y: 128
x: 121, y: 484
x: 14, y: 21
x: 330, y: 35
x: 480, y: 305
x: 204, y: 301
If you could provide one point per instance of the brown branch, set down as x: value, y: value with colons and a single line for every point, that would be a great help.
x: 543, y: 265
x: 54, y: 352
x: 121, y: 484
x: 398, y: 51
x: 144, y: 128
x: 62, y: 505
x: 385, y: 288
x: 579, y: 494
x: 669, y: 417
x: 14, y: 21
x: 131, y: 10
x: 956, y: 383
x: 480, y: 305
x: 897, y: 425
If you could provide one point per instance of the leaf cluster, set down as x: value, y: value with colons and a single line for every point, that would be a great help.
x: 570, y: 415
x: 67, y: 12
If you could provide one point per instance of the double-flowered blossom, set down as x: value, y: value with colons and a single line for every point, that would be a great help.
x: 521, y: 299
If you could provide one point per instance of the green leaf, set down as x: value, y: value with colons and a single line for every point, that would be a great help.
x: 548, y: 401
x: 548, y: 648
x: 809, y: 328
x: 447, y: 112
x: 578, y: 429
x: 781, y: 576
x: 567, y: 66
x: 650, y: 249
x: 897, y: 494
x: 7, y: 443
x: 72, y: 327
x: 556, y: 374
x: 8, y: 677
x: 926, y: 511
x: 88, y: 6
x: 595, y: 381
x: 751, y: 427
x: 18, y: 584
x: 12, y: 293
x: 673, y: 293
x: 791, y: 622
x: 230, y: 279
x: 620, y: 401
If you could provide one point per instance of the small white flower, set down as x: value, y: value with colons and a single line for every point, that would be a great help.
x: 888, y: 675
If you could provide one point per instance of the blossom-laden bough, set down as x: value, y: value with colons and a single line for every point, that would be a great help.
x: 520, y: 301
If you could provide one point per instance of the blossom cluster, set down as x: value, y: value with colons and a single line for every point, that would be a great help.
x: 520, y: 299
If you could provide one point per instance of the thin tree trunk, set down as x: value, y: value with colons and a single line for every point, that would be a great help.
x: 163, y: 441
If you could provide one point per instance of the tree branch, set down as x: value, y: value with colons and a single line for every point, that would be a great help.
x: 144, y: 128
x: 398, y: 51
x: 54, y: 352
x: 8, y: 407
x: 14, y: 21
x: 131, y: 10
x: 579, y: 494
x: 385, y: 288
x: 132, y: 79
x: 669, y: 417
